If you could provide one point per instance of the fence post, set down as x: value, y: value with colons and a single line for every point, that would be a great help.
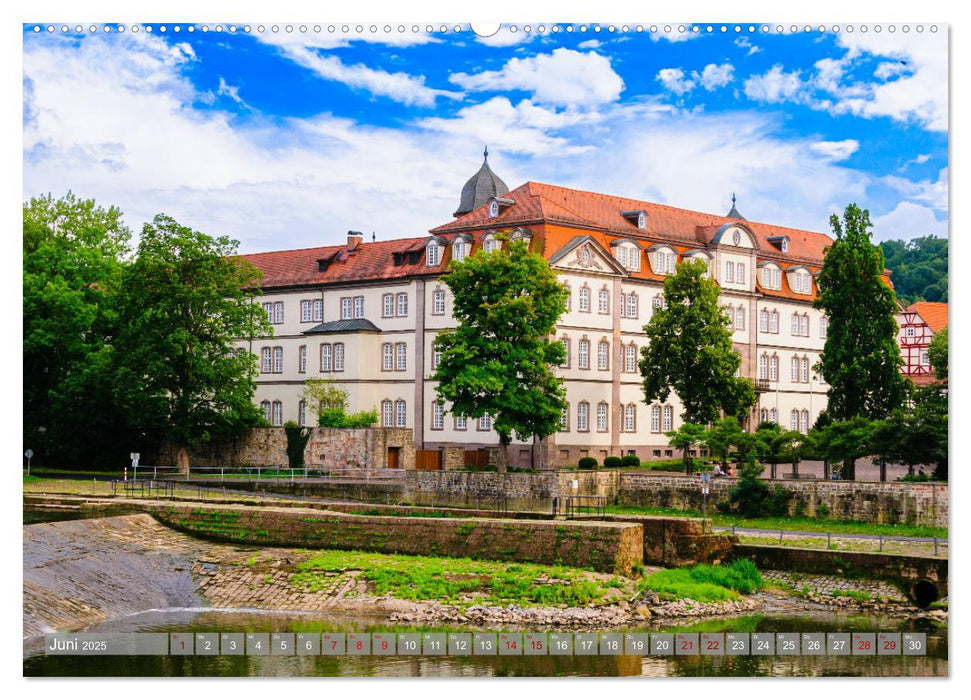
x: 935, y: 546
x: 829, y: 540
x: 780, y: 536
x: 881, y: 541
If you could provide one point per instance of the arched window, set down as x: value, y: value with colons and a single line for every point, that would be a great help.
x: 583, y: 417
x: 774, y: 368
x: 490, y: 243
x: 774, y: 322
x: 603, y: 353
x: 774, y: 415
x: 566, y: 346
x: 277, y: 413
x: 823, y: 326
x: 326, y: 358
x: 387, y: 357
x: 458, y: 249
x: 804, y: 373
x: 630, y: 418
x: 400, y: 413
x: 764, y: 321
x: 794, y: 420
x: 655, y: 419
x: 387, y: 413
x: 795, y: 324
x: 265, y: 408
x: 804, y: 325
x: 603, y: 301
x: 583, y: 354
x: 795, y: 368
x: 764, y: 367
x: 584, y: 298
x: 602, y: 417
x: 740, y: 318
x: 632, y: 311
x: 804, y: 421
x: 630, y: 358
x: 667, y: 422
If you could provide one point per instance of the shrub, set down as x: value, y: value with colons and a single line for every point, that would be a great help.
x: 612, y: 462
x: 630, y: 461
x: 331, y: 418
x: 490, y: 468
x: 777, y: 504
x: 822, y: 510
x: 587, y: 463
x: 297, y: 438
x: 749, y: 494
x: 337, y: 418
x: 361, y: 419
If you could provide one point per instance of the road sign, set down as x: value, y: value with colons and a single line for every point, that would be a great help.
x: 28, y: 454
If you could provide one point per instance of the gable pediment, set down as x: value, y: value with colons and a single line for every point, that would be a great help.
x: 585, y: 254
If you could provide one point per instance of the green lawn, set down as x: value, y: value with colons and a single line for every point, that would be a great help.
x: 704, y: 583
x: 795, y: 523
x: 459, y: 580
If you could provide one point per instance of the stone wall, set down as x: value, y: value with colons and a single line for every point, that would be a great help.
x: 918, y: 504
x: 907, y: 571
x: 336, y: 448
x: 609, y: 547
x: 674, y: 542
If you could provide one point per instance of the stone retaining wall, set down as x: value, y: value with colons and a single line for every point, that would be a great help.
x: 674, y: 542
x: 610, y: 547
x: 916, y: 504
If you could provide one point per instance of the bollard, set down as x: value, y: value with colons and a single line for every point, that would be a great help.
x: 935, y: 546
x: 780, y: 536
x: 829, y: 541
x: 881, y: 542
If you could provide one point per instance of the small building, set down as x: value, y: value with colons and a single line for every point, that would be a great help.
x: 919, y: 323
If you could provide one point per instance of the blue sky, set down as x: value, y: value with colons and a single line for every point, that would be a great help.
x: 289, y: 139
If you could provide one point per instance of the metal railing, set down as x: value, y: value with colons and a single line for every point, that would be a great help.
x: 585, y: 505
x: 879, y: 539
x: 277, y: 473
x: 143, y: 488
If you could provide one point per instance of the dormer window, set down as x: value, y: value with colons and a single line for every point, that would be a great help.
x: 493, y: 209
x: 489, y: 243
x: 663, y: 260
x: 771, y: 277
x: 458, y: 250
x: 780, y: 242
x: 433, y: 254
x: 628, y: 255
x: 638, y: 217
x: 800, y: 281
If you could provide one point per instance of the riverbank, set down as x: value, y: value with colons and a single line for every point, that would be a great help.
x: 79, y: 573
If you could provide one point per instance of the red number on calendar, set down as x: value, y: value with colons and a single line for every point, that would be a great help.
x: 890, y: 645
x: 359, y: 646
x: 712, y: 644
x: 384, y: 646
x: 537, y: 645
x: 687, y: 644
x: 333, y: 644
x: 511, y: 645
x: 864, y: 644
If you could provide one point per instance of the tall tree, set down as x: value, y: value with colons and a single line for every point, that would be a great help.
x: 684, y: 438
x: 861, y: 359
x: 72, y: 262
x: 499, y: 360
x: 184, y: 299
x: 938, y: 355
x: 691, y: 352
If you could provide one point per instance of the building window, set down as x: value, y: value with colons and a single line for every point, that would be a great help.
x: 387, y: 413
x: 438, y: 416
x: 630, y: 358
x: 583, y: 417
x: 485, y: 422
x: 763, y: 321
x: 346, y: 308
x: 740, y: 273
x: 302, y: 413
x: 774, y: 322
x: 433, y: 254
x: 795, y: 324
x: 402, y: 304
x: 302, y: 359
x: 729, y: 271
x: 804, y: 370
x: 565, y: 418
x: 655, y: 419
x: 268, y: 308
x: 623, y: 305
x: 265, y: 408
x: 603, y: 301
x: 823, y: 326
x: 603, y: 351
x: 764, y: 415
x: 387, y: 305
x: 318, y: 310
x: 668, y: 419
x: 632, y: 305
x: 277, y: 413
x: 461, y: 423
x: 387, y: 357
x: 584, y: 298
x: 326, y: 358
x: 358, y: 307
x: 794, y: 420
x: 458, y: 250
x: 657, y: 302
x: 338, y: 357
x: 438, y: 302
x: 401, y: 357
x: 630, y: 418
x: 436, y: 358
x: 804, y: 325
x: 278, y: 360
x: 278, y: 312
x: 795, y: 368
x: 400, y: 413
x: 602, y: 417
x: 583, y: 354
x: 266, y: 360
x: 925, y: 358
x: 763, y: 367
x: 804, y: 421
x: 490, y: 244
x: 305, y: 310
x: 774, y: 368
x: 566, y: 346
x: 493, y: 209
x: 740, y: 318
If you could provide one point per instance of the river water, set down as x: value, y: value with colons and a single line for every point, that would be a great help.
x: 933, y: 664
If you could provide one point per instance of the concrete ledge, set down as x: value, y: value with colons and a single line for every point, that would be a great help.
x: 609, y: 547
x: 679, y: 541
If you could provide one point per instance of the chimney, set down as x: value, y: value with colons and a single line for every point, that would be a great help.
x: 354, y: 239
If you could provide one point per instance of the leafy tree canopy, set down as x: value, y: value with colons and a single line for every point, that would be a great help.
x: 691, y: 351
x: 861, y: 359
x: 937, y: 353
x: 499, y: 359
x: 919, y: 268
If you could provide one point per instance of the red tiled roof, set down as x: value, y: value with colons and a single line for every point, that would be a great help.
x: 934, y: 313
x: 537, y: 202
x: 369, y: 261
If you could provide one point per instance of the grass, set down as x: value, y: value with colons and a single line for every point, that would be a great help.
x: 803, y: 524
x: 31, y: 479
x: 704, y: 583
x: 452, y: 580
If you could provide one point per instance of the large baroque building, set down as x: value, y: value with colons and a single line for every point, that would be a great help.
x: 366, y: 314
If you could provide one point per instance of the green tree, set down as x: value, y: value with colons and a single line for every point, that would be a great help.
x: 861, y: 359
x: 919, y: 268
x: 937, y: 353
x: 184, y: 299
x: 72, y: 263
x: 297, y: 439
x: 684, y: 438
x: 723, y: 435
x: 691, y: 351
x: 499, y: 359
x: 929, y: 427
x: 845, y: 441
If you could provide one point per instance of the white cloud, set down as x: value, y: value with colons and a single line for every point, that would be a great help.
x: 589, y: 44
x: 713, y: 76
x: 774, y: 86
x: 744, y: 43
x: 326, y: 39
x: 674, y: 35
x: 674, y: 80
x: 400, y: 87
x: 889, y: 69
x: 919, y: 160
x: 908, y: 221
x: 929, y: 192
x: 231, y: 91
x: 836, y: 150
x: 563, y: 78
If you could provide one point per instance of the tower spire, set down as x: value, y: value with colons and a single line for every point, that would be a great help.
x: 485, y: 153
